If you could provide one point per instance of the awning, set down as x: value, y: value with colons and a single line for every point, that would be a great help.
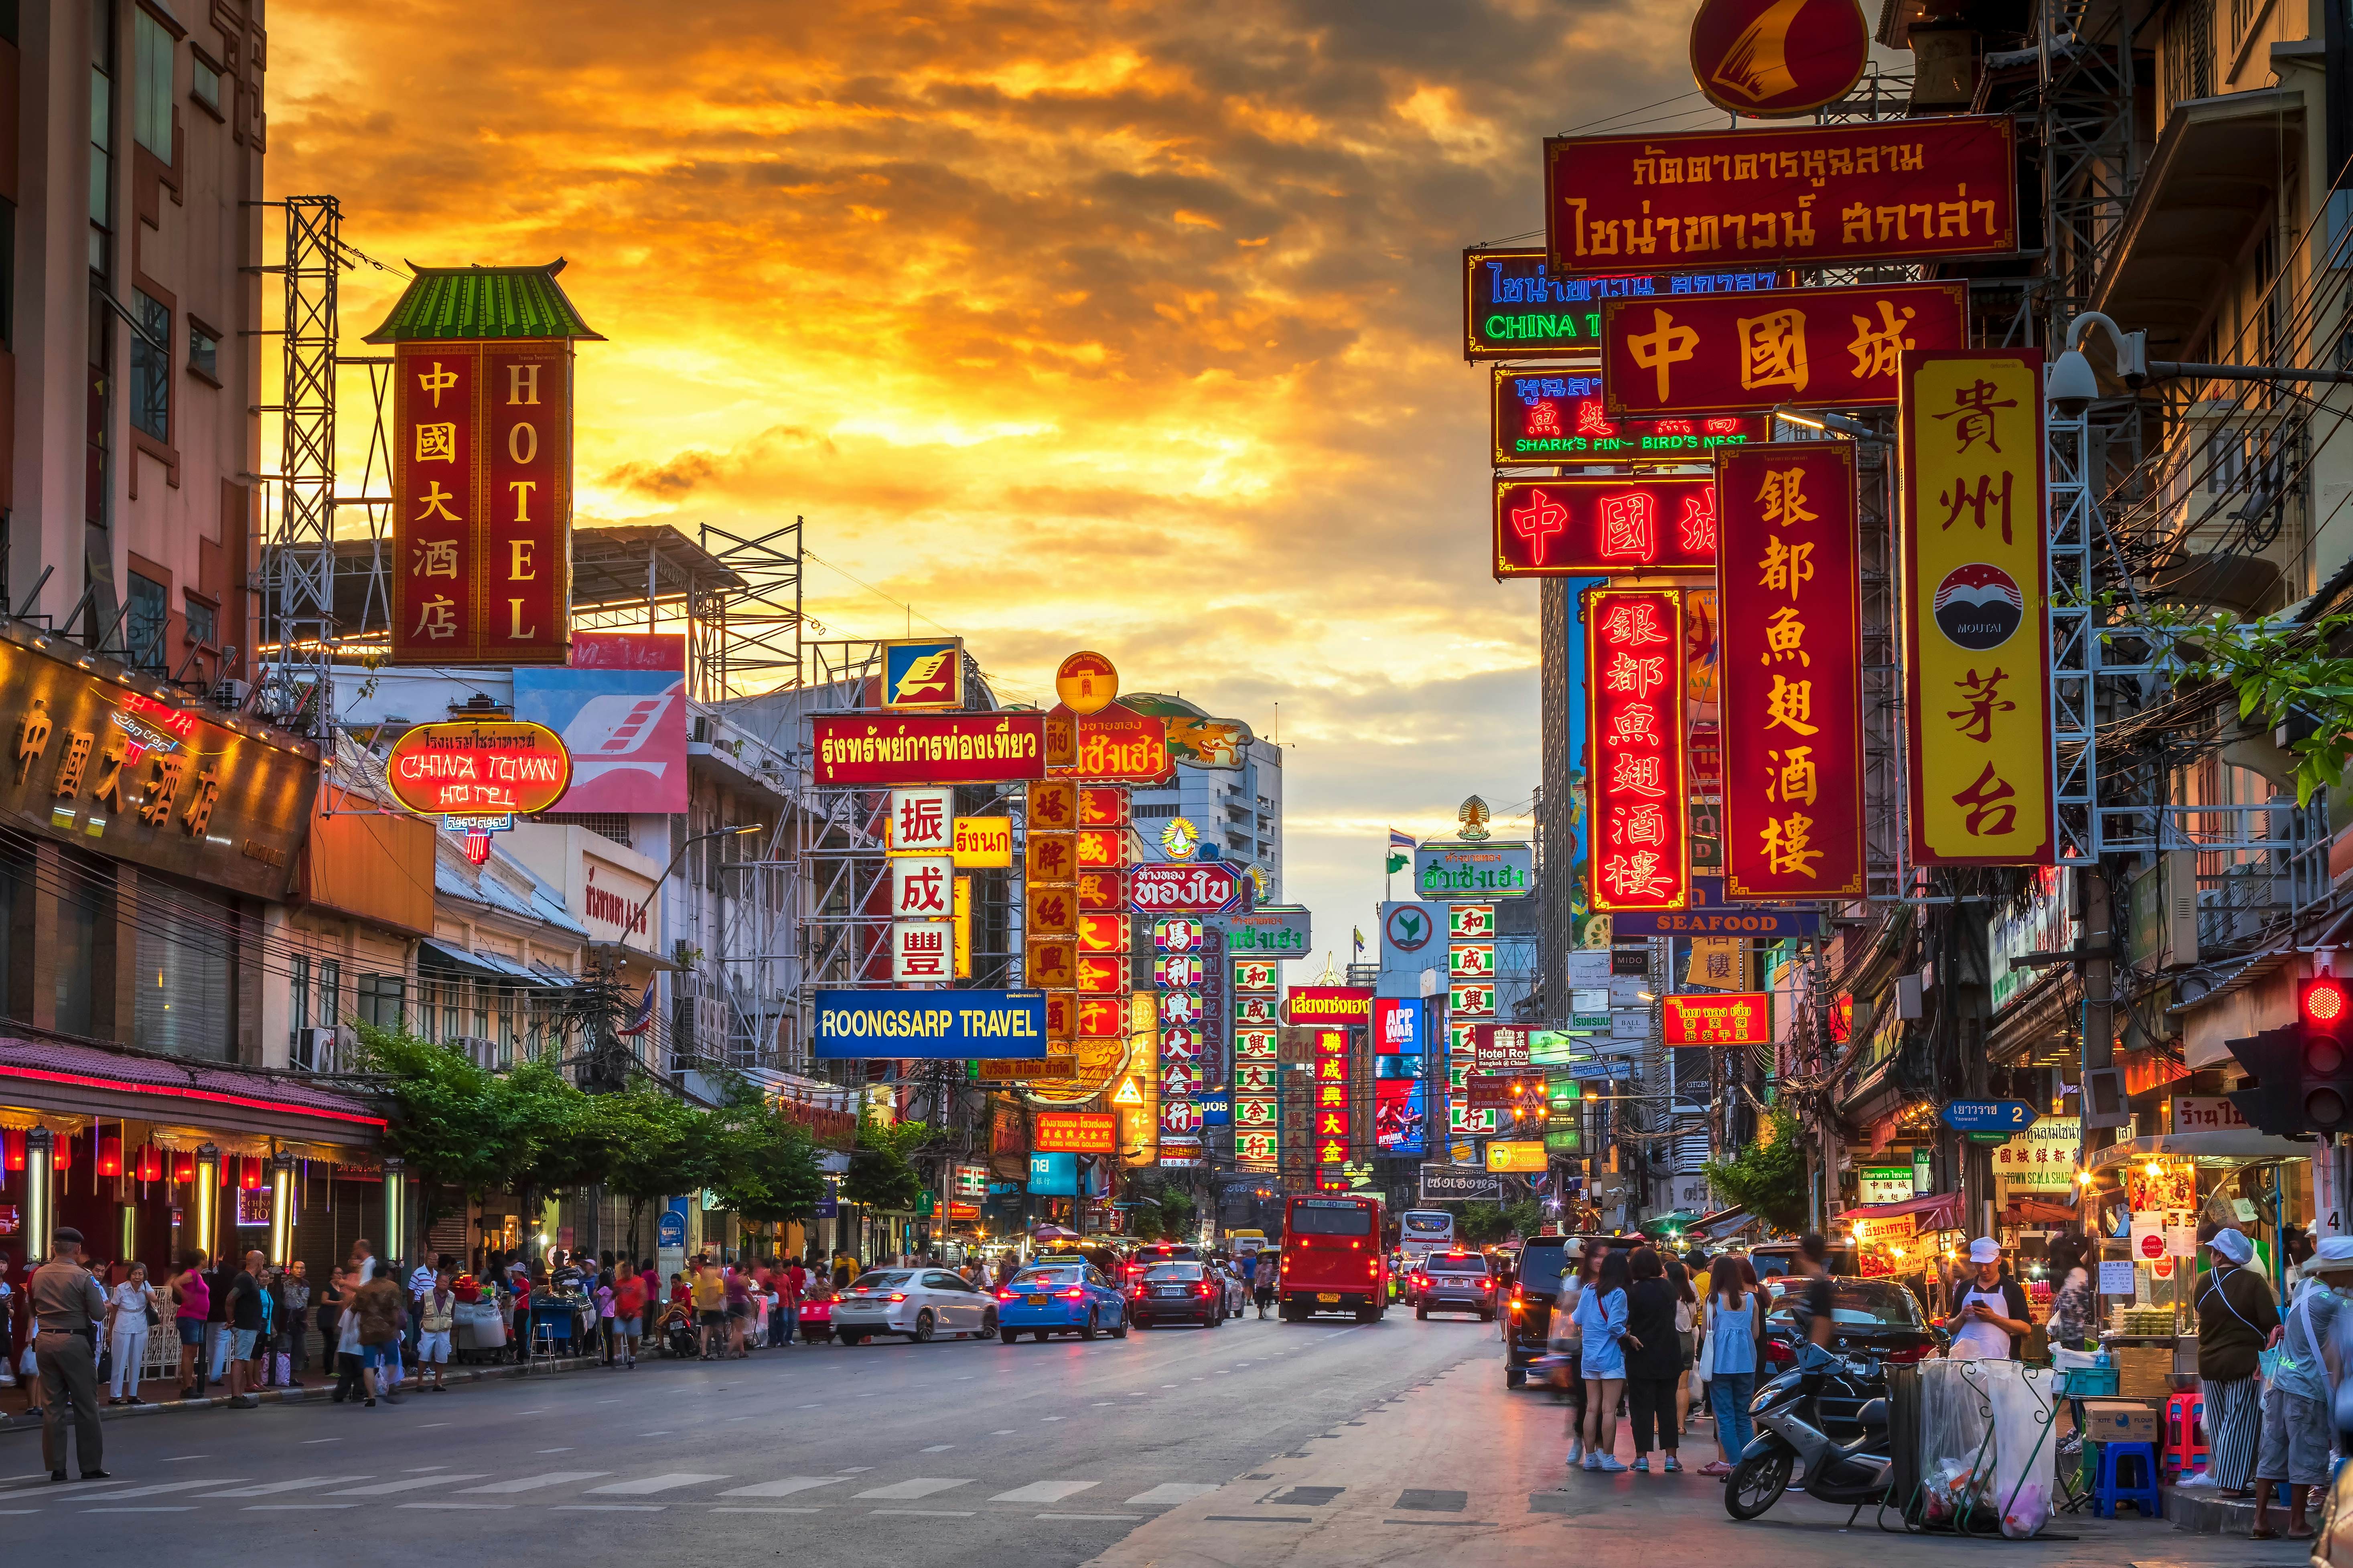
x: 2231, y: 1148
x: 1935, y: 1211
x: 618, y: 953
x: 1723, y: 1224
x: 1679, y: 1220
x: 2208, y: 183
x: 94, y: 1080
x: 449, y: 953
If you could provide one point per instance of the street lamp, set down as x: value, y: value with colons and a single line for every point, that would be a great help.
x: 41, y: 1148
x: 208, y: 1197
x: 395, y: 1206
x: 281, y: 1208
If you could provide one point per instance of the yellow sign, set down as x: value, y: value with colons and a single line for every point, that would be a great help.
x: 983, y: 843
x: 1180, y: 839
x: 1717, y: 963
x: 963, y: 921
x: 1517, y: 1159
x: 1086, y: 683
x: 1976, y: 628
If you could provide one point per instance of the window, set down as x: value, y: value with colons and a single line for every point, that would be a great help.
x: 205, y: 81
x: 151, y: 365
x: 612, y: 825
x: 203, y: 623
x: 383, y: 1000
x: 151, y: 109
x: 298, y: 1011
x: 330, y: 1012
x: 453, y: 1006
x: 203, y: 350
x: 151, y: 614
x: 2189, y: 52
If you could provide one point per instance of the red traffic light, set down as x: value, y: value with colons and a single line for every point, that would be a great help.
x: 2321, y: 1001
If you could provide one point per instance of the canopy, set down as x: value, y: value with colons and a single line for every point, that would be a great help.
x: 1935, y: 1211
x: 1679, y: 1221
x: 2237, y: 1147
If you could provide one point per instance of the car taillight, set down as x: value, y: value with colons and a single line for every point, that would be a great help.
x: 1075, y: 1293
x: 1907, y: 1353
x: 1486, y: 1284
x: 1008, y: 1295
x: 1779, y: 1353
x: 1203, y: 1288
x: 898, y: 1295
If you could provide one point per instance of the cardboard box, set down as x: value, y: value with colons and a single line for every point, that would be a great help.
x: 2143, y: 1372
x: 2118, y: 1421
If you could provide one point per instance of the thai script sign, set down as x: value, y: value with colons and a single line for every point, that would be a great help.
x: 1513, y: 307
x: 1446, y: 870
x: 1200, y: 887
x: 1075, y: 1132
x: 1559, y: 417
x: 977, y: 748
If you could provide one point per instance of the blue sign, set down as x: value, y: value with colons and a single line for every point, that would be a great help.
x: 671, y: 1229
x: 1711, y: 916
x: 1989, y: 1116
x: 1217, y: 1108
x: 1054, y: 1176
x: 924, y: 674
x: 829, y: 1205
x: 936, y: 1025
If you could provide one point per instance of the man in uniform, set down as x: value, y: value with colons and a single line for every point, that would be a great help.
x: 66, y: 1302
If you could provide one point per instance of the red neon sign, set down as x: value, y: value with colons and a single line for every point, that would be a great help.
x: 1598, y: 526
x: 1634, y: 685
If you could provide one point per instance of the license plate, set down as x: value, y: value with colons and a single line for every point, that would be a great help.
x: 1035, y: 1300
x: 1168, y: 1290
x: 1328, y: 1295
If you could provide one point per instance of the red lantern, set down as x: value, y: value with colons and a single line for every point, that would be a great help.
x: 12, y: 1150
x: 248, y: 1172
x: 184, y: 1167
x: 61, y: 1155
x: 151, y: 1163
x: 109, y: 1154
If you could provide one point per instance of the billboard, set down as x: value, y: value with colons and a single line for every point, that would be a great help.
x: 1076, y: 1132
x: 1398, y: 1025
x: 1116, y: 742
x: 977, y: 748
x: 1527, y: 1158
x: 1594, y: 527
x: 1807, y: 348
x: 1634, y: 683
x: 1333, y: 1109
x: 1515, y: 307
x: 465, y: 768
x: 1054, y: 1176
x: 621, y: 711
x: 1773, y: 59
x: 1400, y: 1107
x: 1816, y: 195
x: 1451, y: 868
x: 934, y: 1025
x: 1977, y: 625
x: 1558, y: 417
x: 1788, y: 636
x: 1270, y: 931
x: 923, y: 673
x: 1344, y: 1006
x: 1732, y: 1019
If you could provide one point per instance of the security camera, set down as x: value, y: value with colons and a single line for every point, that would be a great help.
x: 2072, y: 385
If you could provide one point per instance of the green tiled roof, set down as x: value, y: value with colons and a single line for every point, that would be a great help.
x: 482, y: 302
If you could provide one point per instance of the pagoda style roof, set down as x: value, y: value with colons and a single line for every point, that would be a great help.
x: 446, y: 302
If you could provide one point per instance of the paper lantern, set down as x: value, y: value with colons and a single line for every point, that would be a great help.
x: 61, y: 1155
x: 248, y: 1172
x: 109, y: 1154
x: 151, y: 1163
x: 184, y: 1167
x: 12, y: 1151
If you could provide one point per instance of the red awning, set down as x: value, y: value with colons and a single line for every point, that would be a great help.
x: 1936, y: 1211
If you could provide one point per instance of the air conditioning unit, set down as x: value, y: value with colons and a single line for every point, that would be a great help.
x: 315, y: 1049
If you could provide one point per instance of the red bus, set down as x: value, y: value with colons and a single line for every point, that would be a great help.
x: 1331, y: 1259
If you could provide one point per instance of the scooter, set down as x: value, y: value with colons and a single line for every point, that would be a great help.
x: 1788, y: 1429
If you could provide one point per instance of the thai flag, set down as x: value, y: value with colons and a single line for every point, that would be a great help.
x: 1401, y: 841
x: 641, y: 1016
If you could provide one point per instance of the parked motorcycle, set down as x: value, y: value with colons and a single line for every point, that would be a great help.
x: 1790, y: 1428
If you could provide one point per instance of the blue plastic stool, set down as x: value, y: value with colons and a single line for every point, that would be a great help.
x: 2111, y: 1490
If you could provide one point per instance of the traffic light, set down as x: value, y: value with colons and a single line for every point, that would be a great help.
x: 2273, y: 1100
x: 2327, y: 1097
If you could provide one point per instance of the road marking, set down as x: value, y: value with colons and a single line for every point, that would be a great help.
x: 1174, y: 1492
x: 768, y: 1510
x: 423, y: 1470
x: 907, y: 1491
x: 458, y: 1506
x: 665, y: 1432
x: 1099, y: 1403
x: 609, y: 1508
x: 269, y: 1489
x: 808, y: 1406
x: 1045, y: 1492
x: 532, y: 1483
x: 432, y: 1424
x: 1002, y: 1432
x: 551, y: 1451
x: 313, y: 1442
x: 296, y: 1506
x: 645, y: 1484
x: 613, y: 1401
x: 139, y: 1510
x: 784, y: 1488
x: 1053, y: 1418
x: 159, y: 1489
x: 19, y: 1511
x: 939, y: 1448
x: 855, y: 1469
x: 388, y: 1488
x: 1129, y: 1516
x: 182, y: 1458
x: 921, y: 1513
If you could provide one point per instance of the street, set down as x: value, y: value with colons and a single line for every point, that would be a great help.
x: 1260, y: 1442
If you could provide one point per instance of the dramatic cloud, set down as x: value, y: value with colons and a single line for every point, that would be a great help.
x: 1117, y: 325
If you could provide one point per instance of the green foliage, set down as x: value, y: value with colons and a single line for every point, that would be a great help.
x: 1481, y: 1223
x: 880, y: 1175
x: 1768, y: 1177
x: 453, y: 1124
x: 767, y: 1166
x: 1144, y: 1222
x: 2279, y: 669
x: 1180, y: 1217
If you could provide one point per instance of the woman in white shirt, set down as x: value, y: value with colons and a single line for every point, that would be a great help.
x: 126, y: 1334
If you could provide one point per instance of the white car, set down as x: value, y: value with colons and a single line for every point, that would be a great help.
x: 1238, y: 1295
x: 923, y: 1304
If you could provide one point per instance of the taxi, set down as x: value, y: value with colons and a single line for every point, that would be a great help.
x: 1063, y: 1296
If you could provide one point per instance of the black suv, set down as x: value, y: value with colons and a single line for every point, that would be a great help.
x: 1543, y: 1260
x: 1456, y: 1282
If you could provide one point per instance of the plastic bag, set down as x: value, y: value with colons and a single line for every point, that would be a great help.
x: 2025, y: 1460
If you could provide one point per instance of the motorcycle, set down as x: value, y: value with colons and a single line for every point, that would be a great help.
x: 1790, y: 1428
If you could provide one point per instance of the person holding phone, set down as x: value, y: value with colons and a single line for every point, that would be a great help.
x: 1989, y: 1310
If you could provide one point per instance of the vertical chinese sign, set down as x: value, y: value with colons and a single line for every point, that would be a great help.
x: 1050, y: 911
x: 482, y: 466
x: 1469, y: 1003
x: 1788, y: 603
x: 1177, y: 943
x: 1257, y: 1076
x: 1977, y: 629
x: 1634, y: 726
x: 1332, y: 1111
x: 922, y: 887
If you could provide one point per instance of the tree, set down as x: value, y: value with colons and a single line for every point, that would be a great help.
x: 453, y: 1124
x: 2284, y: 672
x: 1143, y: 1221
x: 767, y: 1166
x: 880, y: 1175
x: 1768, y: 1177
x: 1179, y: 1215
x: 1482, y: 1222
x: 660, y: 1145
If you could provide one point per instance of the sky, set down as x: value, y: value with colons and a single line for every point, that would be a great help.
x: 1116, y: 326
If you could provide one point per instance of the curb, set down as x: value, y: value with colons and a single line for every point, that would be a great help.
x: 316, y: 1393
x: 2209, y: 1514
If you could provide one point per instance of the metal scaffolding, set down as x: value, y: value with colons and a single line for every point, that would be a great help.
x: 294, y: 688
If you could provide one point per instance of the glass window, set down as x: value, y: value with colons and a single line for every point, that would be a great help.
x: 329, y: 1011
x: 453, y: 1007
x: 204, y: 352
x: 150, y: 615
x: 152, y: 119
x: 298, y: 1011
x: 1174, y: 1271
x: 1311, y: 1217
x: 203, y: 623
x: 206, y: 82
x: 383, y: 1000
x: 150, y: 367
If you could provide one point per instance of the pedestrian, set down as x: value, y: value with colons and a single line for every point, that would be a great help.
x: 217, y: 1340
x: 243, y: 1312
x: 191, y: 1305
x: 376, y: 1315
x: 1601, y: 1322
x: 2073, y: 1303
x: 788, y: 1302
x: 711, y: 1308
x: 1653, y: 1358
x: 2237, y: 1320
x: 12, y: 1307
x: 66, y: 1301
x: 628, y: 1311
x: 736, y: 1292
x: 1735, y: 1328
x: 363, y: 1265
x: 1687, y: 1300
x: 333, y: 1299
x: 294, y: 1335
x: 437, y: 1315
x: 2298, y: 1438
x: 127, y: 1309
x: 420, y: 1285
x: 1988, y: 1320
x: 1564, y: 1342
x: 351, y: 1379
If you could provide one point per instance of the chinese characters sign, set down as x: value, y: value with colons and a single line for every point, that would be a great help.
x: 1556, y: 417
x: 1807, y: 195
x: 1469, y: 1003
x: 1634, y: 728
x: 1593, y: 527
x: 1739, y: 1018
x: 979, y: 748
x: 1515, y: 307
x: 1976, y: 636
x: 1257, y: 1075
x: 1331, y: 1109
x: 1790, y: 671
x: 1184, y: 1071
x: 482, y: 501
x: 1809, y: 348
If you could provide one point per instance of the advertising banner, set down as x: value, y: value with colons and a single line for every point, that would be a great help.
x: 1400, y: 1108
x: 1558, y: 417
x: 1790, y: 607
x: 467, y: 768
x: 1807, y: 348
x: 885, y: 749
x: 1074, y: 1132
x: 1977, y: 625
x: 1398, y: 1026
x: 1814, y: 196
x: 1515, y: 307
x: 1524, y: 1158
x: 1634, y: 726
x: 621, y: 711
x: 1710, y: 916
x: 922, y: 674
x: 1185, y: 888
x: 1447, y: 869
x: 1458, y: 1184
x: 1500, y: 1048
x: 1329, y: 1005
x: 982, y: 843
x: 933, y: 1025
x: 1775, y: 58
x: 1116, y: 743
x: 1721, y: 1018
x: 1275, y: 930
x: 1594, y: 527
x: 1054, y: 1176
x: 1333, y: 1132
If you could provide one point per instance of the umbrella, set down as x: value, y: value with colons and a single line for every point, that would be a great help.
x: 1053, y: 1233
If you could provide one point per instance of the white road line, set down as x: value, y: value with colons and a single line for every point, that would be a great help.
x: 159, y: 1489
x: 295, y: 1507
x: 1002, y: 1432
x: 646, y: 1484
x: 551, y: 1451
x: 314, y: 1442
x: 1045, y: 1492
x: 1053, y: 1418
x: 919, y: 1513
x: 907, y: 1491
x: 939, y: 1448
x: 768, y: 1510
x: 1173, y: 1492
x: 182, y: 1459
x: 532, y: 1483
x: 784, y: 1488
x: 388, y: 1488
x: 189, y: 1509
x: 458, y: 1506
x: 1129, y: 1517
x: 269, y: 1489
x: 609, y: 1508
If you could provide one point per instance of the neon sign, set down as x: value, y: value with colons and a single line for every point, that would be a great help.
x: 1641, y: 851
x: 1554, y: 416
x: 1598, y: 526
x: 504, y: 768
x: 1515, y: 307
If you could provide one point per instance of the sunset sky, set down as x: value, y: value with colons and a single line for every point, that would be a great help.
x: 1131, y: 327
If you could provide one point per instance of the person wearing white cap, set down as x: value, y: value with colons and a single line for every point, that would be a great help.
x: 2236, y: 1319
x: 2296, y: 1442
x: 1988, y: 1317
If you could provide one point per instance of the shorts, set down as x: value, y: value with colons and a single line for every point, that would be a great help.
x: 433, y: 1347
x: 739, y: 1308
x: 385, y: 1354
x: 241, y: 1344
x: 192, y: 1331
x: 714, y: 1319
x: 627, y: 1327
x: 2296, y: 1443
